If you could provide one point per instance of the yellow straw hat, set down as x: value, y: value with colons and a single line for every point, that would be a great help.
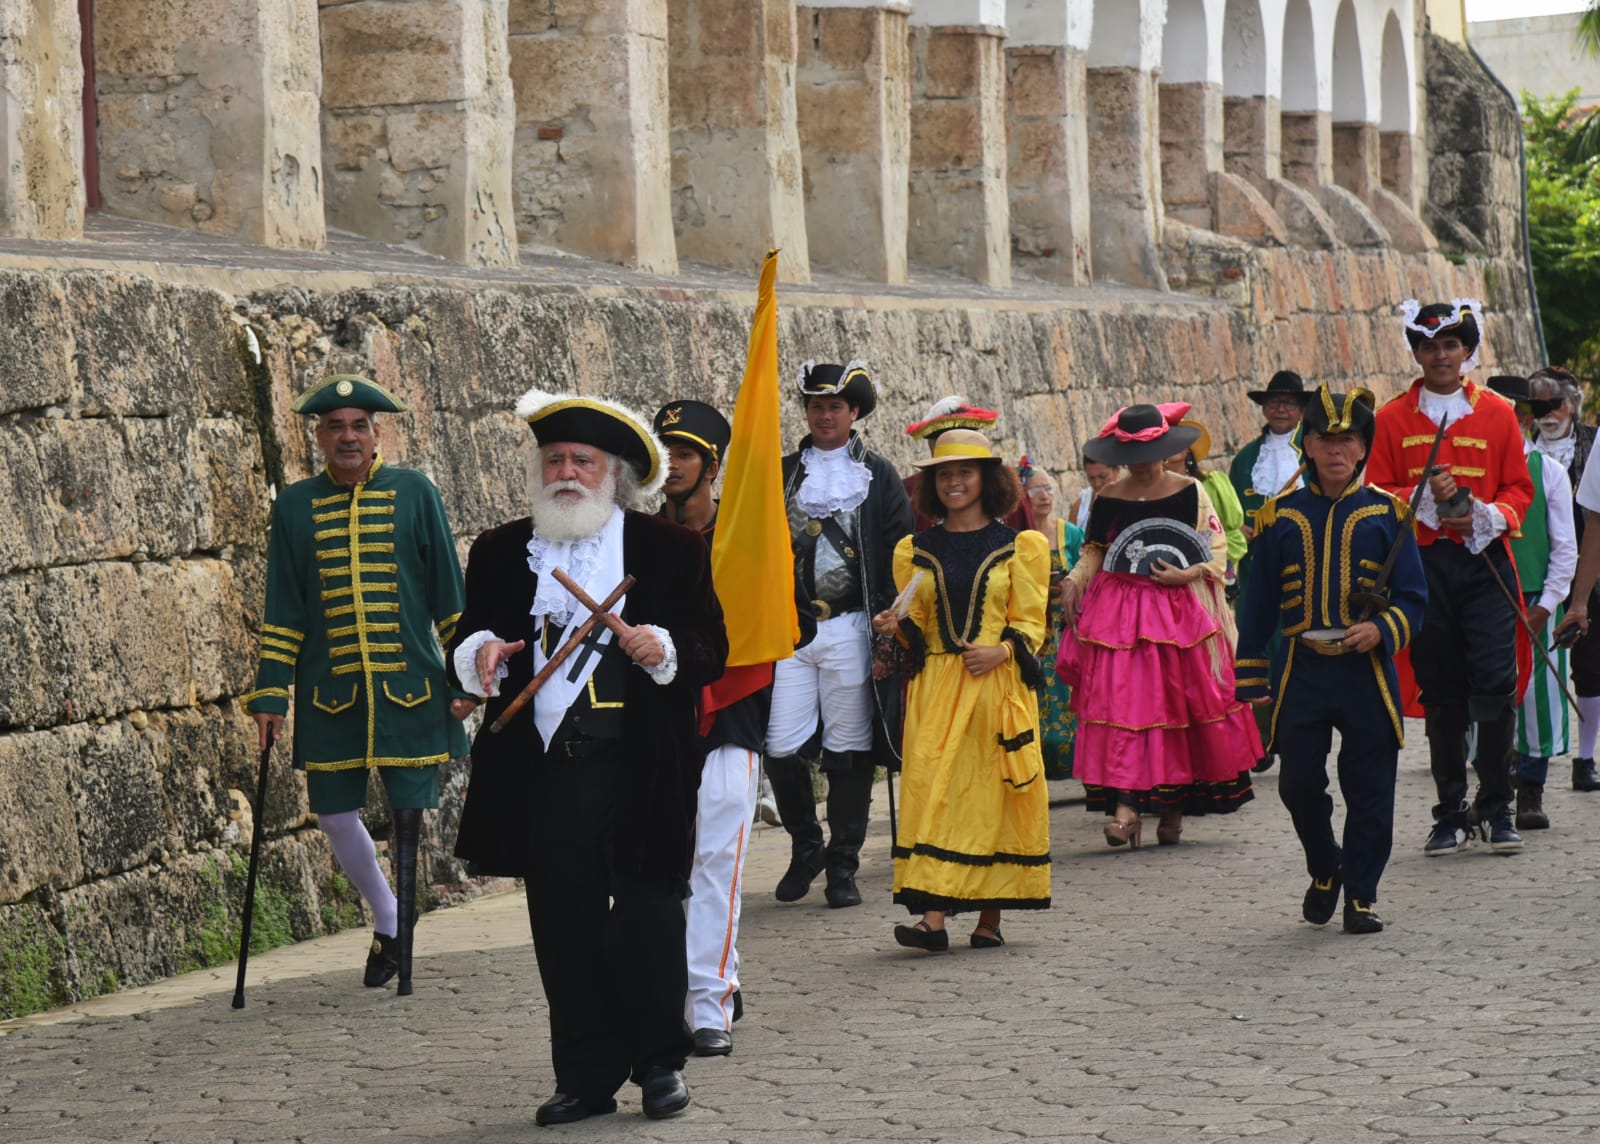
x: 958, y: 445
x: 1202, y: 443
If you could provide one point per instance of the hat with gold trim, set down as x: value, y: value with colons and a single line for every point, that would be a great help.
x: 347, y: 391
x: 958, y: 445
x: 697, y: 424
x: 1330, y: 414
x: 1202, y: 444
x: 597, y: 422
x: 850, y: 381
x: 951, y: 413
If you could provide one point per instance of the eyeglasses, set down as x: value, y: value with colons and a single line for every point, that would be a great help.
x: 1041, y: 490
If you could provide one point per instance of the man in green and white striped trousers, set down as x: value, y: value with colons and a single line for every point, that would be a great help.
x: 1546, y: 556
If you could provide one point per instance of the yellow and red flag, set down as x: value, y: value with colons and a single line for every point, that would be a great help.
x: 752, y: 563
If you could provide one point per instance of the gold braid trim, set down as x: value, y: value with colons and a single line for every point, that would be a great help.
x: 352, y: 764
x: 264, y: 693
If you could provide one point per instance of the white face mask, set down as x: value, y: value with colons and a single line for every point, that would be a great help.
x: 1554, y: 427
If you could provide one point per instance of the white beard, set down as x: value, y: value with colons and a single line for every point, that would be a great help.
x: 1554, y: 428
x: 569, y: 518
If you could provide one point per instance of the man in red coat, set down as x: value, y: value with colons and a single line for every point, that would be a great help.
x: 1464, y: 658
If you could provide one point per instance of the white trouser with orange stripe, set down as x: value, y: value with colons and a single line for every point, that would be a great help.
x: 728, y: 788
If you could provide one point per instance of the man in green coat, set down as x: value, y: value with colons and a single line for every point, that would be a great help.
x: 1269, y: 466
x: 362, y: 587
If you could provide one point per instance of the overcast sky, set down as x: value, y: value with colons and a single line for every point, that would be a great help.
x: 1510, y: 9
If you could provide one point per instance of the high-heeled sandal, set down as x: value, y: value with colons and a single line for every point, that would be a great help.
x: 922, y: 936
x: 1170, y: 829
x: 1124, y: 831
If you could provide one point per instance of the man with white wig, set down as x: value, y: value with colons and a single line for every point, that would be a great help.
x: 589, y: 792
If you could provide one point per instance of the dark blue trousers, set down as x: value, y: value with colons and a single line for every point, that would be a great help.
x: 1338, y: 693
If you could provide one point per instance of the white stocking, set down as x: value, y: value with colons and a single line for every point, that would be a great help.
x: 358, y: 858
x: 1589, y: 708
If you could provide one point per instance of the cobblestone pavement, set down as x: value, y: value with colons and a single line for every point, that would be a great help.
x: 1170, y: 994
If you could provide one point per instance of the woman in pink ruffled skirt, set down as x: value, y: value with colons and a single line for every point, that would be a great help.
x: 1149, y: 657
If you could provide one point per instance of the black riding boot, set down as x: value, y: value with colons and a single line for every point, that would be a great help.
x: 790, y: 776
x: 407, y: 832
x: 849, y: 800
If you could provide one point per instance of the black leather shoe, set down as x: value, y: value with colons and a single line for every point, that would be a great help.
x: 383, y: 960
x: 841, y: 892
x: 564, y: 1109
x: 1321, y: 900
x: 1360, y: 917
x: 1264, y: 764
x: 796, y: 881
x: 738, y: 1004
x: 712, y: 1043
x: 664, y: 1093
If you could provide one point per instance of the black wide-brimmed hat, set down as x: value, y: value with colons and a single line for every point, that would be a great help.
x: 697, y: 424
x: 1515, y: 389
x: 1139, y: 434
x: 1330, y: 414
x: 347, y: 391
x: 1284, y: 383
x: 594, y: 421
x: 850, y: 381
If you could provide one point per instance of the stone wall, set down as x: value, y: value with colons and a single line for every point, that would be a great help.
x: 140, y: 434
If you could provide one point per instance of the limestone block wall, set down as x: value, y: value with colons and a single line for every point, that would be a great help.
x: 41, y: 149
x: 215, y: 133
x: 736, y: 185
x: 592, y: 156
x: 417, y: 117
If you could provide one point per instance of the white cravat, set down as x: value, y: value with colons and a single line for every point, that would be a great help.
x: 835, y: 482
x: 1275, y: 463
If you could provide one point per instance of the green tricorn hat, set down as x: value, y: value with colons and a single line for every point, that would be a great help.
x: 347, y: 391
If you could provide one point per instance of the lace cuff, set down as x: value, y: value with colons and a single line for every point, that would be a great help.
x: 465, y: 659
x: 1427, y: 511
x: 666, y: 671
x: 1487, y: 523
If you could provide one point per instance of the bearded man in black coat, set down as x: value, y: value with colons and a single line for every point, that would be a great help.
x: 589, y: 792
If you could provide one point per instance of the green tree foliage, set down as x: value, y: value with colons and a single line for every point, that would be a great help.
x: 1564, y: 230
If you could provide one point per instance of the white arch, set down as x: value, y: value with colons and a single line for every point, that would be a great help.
x: 1397, y: 111
x: 1349, y: 67
x: 1245, y: 50
x: 1058, y: 23
x: 1303, y: 85
x: 1127, y: 34
x: 1186, y: 55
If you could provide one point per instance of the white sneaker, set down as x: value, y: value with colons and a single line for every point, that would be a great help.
x: 767, y: 805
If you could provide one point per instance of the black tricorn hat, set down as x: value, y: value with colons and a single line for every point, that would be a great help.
x: 851, y: 382
x: 1457, y: 316
x: 1284, y: 383
x: 595, y: 421
x: 1329, y: 414
x: 1137, y: 435
x: 1515, y: 389
x: 697, y: 424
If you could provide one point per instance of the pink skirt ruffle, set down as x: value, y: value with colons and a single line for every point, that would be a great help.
x: 1154, y: 711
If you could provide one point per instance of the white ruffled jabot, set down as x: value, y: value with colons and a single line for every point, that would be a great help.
x: 574, y: 557
x: 834, y: 482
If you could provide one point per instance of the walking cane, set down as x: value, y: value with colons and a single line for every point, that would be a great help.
x: 255, y: 863
x: 894, y: 830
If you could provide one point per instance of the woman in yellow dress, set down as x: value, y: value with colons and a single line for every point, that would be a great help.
x: 974, y: 829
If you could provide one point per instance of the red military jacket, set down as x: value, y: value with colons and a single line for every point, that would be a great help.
x: 1483, y: 450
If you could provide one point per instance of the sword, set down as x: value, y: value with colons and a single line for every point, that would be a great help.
x: 1375, y: 601
x: 597, y: 613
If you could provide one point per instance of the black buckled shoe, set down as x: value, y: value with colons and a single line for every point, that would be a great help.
x: 383, y: 960
x: 564, y: 1109
x: 922, y: 936
x: 1321, y: 900
x: 664, y: 1093
x: 712, y: 1042
x: 1360, y: 917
